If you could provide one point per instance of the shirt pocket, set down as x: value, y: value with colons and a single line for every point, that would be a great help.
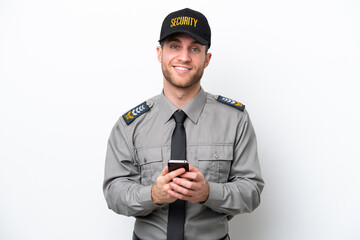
x: 214, y: 162
x: 151, y: 165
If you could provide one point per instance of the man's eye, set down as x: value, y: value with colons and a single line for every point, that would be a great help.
x: 174, y: 47
x: 195, y: 49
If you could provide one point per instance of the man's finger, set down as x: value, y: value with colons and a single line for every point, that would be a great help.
x: 164, y: 171
x: 179, y: 192
x: 175, y: 194
x: 184, y: 183
x: 190, y: 175
x: 174, y: 173
x: 192, y: 168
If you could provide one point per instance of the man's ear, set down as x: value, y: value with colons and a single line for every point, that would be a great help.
x: 159, y: 53
x: 207, y: 59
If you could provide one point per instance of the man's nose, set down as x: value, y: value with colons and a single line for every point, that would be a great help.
x: 184, y: 55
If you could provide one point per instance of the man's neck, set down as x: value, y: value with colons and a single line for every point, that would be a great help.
x: 180, y: 97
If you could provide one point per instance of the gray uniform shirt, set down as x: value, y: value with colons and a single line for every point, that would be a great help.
x: 221, y: 143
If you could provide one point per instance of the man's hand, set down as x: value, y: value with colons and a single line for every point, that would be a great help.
x: 191, y: 186
x: 159, y: 192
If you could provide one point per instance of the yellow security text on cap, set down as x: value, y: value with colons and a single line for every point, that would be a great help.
x: 183, y: 21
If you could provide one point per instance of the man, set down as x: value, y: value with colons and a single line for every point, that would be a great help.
x: 214, y: 135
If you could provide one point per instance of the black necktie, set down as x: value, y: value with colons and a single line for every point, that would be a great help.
x: 176, y: 217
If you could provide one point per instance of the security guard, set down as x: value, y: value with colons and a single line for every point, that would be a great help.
x: 224, y: 176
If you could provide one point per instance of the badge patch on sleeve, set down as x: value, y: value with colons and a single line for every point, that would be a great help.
x: 136, y: 112
x: 231, y: 102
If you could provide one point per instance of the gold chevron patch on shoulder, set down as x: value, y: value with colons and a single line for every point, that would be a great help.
x: 136, y: 112
x: 231, y: 102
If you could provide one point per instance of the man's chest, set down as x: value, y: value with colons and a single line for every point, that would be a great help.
x: 209, y: 148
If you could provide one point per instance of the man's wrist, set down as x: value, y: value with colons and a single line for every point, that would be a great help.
x: 207, y: 193
x: 153, y: 195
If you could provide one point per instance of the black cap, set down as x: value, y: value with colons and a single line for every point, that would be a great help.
x: 187, y: 21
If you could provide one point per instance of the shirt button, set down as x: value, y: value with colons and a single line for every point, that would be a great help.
x: 216, y: 156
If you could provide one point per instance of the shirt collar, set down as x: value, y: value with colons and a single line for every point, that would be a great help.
x: 193, y: 109
x: 166, y: 107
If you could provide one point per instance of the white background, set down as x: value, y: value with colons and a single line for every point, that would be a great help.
x: 70, y: 68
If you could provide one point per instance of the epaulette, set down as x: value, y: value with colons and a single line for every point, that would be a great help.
x: 231, y: 102
x: 136, y: 112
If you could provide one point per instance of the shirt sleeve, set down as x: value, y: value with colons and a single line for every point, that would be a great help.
x: 122, y: 189
x: 242, y: 191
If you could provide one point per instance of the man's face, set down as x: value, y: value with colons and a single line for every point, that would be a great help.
x: 183, y: 60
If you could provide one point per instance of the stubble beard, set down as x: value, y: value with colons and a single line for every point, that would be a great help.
x: 195, y: 79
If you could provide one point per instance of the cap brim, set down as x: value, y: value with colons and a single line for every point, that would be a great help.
x: 191, y: 34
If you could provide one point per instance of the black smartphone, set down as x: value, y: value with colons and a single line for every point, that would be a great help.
x: 175, y: 164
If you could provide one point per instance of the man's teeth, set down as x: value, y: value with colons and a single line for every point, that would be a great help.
x: 181, y: 68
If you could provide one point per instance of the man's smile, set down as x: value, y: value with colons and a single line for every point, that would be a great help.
x: 182, y: 69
